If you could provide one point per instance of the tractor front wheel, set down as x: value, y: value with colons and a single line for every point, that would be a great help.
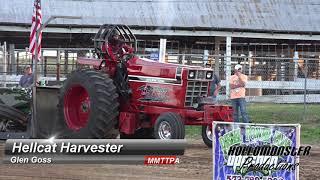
x: 169, y: 126
x: 88, y: 106
x: 207, y: 135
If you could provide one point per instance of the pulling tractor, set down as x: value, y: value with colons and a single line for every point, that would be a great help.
x: 136, y: 97
x: 132, y: 97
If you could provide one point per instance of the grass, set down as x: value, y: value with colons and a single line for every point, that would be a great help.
x: 281, y: 114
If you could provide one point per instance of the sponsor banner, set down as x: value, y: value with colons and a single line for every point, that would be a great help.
x: 115, y: 151
x: 256, y: 151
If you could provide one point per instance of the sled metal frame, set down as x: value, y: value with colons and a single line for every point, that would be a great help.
x: 46, y: 117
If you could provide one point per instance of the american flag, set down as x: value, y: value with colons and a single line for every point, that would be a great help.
x: 36, y: 24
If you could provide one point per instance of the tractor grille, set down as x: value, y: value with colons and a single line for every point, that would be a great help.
x: 194, y: 90
x: 201, y: 74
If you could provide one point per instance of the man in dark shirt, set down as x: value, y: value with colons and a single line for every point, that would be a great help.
x: 214, y: 84
x: 27, y: 79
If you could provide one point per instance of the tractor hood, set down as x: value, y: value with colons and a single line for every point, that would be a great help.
x: 147, y: 67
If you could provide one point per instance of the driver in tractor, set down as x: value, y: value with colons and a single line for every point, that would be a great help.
x: 115, y: 50
x: 116, y: 47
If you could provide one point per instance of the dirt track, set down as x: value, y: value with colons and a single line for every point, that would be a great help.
x: 195, y: 164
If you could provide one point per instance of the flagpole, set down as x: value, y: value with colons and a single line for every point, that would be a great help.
x: 34, y: 124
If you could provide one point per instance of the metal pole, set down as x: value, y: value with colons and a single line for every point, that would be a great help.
x: 228, y: 65
x: 305, y: 91
x: 34, y: 88
x: 41, y: 64
x: 205, y: 57
x: 295, y: 61
x: 183, y: 59
x: 217, y: 53
x: 162, y: 50
x: 58, y: 65
x: 5, y: 63
x: 250, y: 62
x: 45, y: 67
x: 34, y: 125
x: 13, y: 60
x: 17, y: 66
x: 66, y: 61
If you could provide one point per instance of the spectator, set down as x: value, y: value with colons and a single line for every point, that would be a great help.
x: 301, y: 71
x: 27, y: 79
x: 237, y: 94
x: 215, y: 85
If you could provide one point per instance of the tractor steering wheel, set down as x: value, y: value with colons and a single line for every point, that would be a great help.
x: 126, y: 57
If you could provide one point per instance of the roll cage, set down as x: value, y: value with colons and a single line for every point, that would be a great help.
x: 105, y: 31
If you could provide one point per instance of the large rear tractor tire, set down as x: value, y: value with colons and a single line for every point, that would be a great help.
x: 169, y: 126
x: 88, y: 106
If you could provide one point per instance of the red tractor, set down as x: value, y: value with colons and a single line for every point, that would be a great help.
x: 119, y: 92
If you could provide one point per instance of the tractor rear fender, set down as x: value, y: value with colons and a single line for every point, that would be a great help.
x: 89, y: 61
x: 98, y: 64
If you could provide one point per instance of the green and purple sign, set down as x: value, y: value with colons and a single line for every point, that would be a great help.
x: 256, y: 151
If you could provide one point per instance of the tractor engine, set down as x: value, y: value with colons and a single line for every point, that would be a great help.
x: 167, y: 85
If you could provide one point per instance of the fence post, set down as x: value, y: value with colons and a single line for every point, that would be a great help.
x: 183, y: 58
x: 12, y: 58
x: 217, y: 52
x: 17, y: 66
x: 45, y: 59
x: 72, y: 63
x: 5, y: 64
x: 295, y: 60
x: 58, y: 65
x: 42, y: 64
x: 1, y: 62
x: 162, y: 51
x: 205, y: 56
x: 27, y: 60
x: 305, y: 90
x: 66, y: 61
x: 250, y: 62
x: 228, y: 65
